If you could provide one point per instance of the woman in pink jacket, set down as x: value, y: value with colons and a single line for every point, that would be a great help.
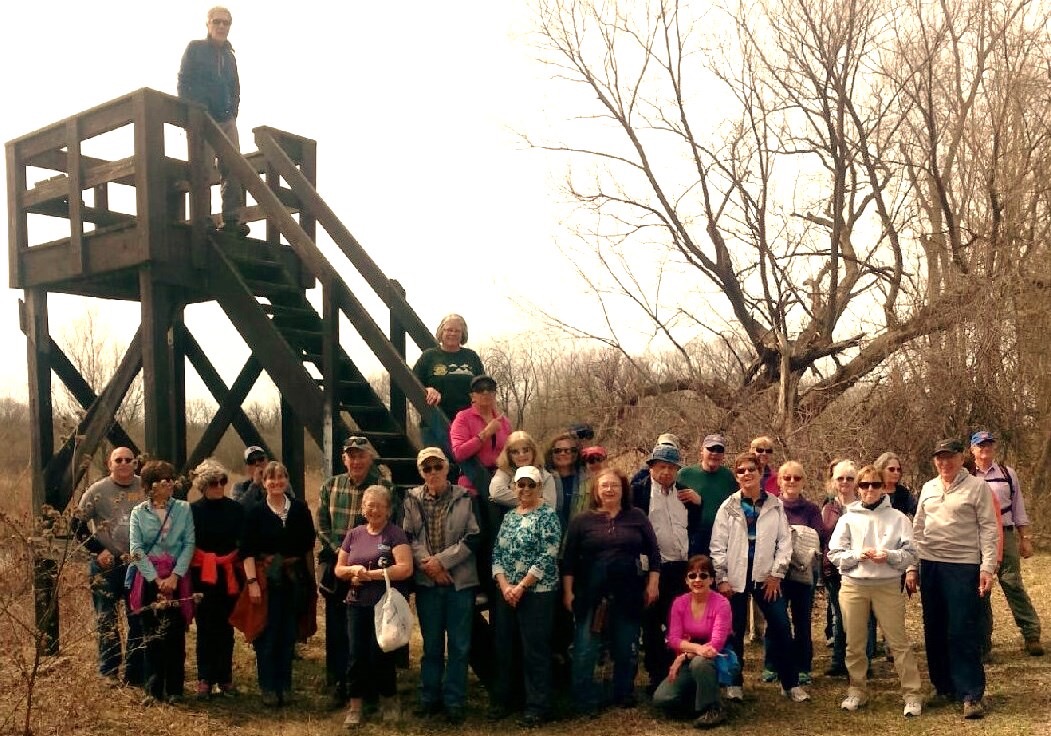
x: 480, y: 430
x: 699, y: 627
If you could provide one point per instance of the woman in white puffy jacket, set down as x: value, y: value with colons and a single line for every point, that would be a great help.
x: 872, y: 545
x: 751, y: 548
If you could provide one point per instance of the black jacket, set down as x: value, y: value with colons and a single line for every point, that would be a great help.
x: 208, y: 75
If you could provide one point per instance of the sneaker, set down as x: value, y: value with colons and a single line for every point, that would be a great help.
x: 1034, y: 648
x: 710, y: 718
x: 352, y: 719
x: 735, y: 692
x: 797, y: 694
x: 768, y: 676
x: 913, y: 707
x: 852, y: 702
x: 973, y: 709
x: 805, y: 678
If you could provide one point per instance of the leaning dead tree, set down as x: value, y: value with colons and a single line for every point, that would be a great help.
x: 808, y: 184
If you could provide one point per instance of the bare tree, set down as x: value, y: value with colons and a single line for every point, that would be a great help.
x: 812, y: 182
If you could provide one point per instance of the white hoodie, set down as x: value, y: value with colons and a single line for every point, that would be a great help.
x: 883, y: 527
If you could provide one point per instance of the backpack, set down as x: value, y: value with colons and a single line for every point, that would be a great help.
x: 806, y: 546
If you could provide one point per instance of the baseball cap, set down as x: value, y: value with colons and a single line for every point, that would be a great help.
x: 483, y: 383
x: 668, y: 439
x: 251, y: 452
x: 428, y: 453
x: 714, y: 440
x: 527, y: 471
x: 948, y: 445
x: 666, y: 454
x: 982, y: 436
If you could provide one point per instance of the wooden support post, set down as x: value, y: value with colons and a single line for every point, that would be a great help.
x: 201, y: 163
x: 158, y: 311
x: 398, y: 406
x: 76, y: 221
x: 17, y: 219
x: 331, y: 452
x: 151, y: 183
x: 41, y: 417
x: 177, y: 358
x: 293, y: 449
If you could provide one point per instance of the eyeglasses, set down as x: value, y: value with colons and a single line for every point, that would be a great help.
x: 521, y: 450
x: 845, y: 479
x: 763, y: 451
x: 697, y: 576
x: 220, y: 22
x: 526, y: 484
x: 355, y: 442
x: 122, y: 460
x: 219, y: 481
x: 431, y: 467
x: 792, y: 478
x: 893, y: 470
x: 564, y: 451
x: 867, y: 484
x: 594, y: 459
x: 745, y: 471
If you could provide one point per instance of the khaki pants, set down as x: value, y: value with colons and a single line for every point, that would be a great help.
x: 886, y: 601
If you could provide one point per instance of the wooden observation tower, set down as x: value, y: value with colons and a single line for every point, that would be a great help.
x: 162, y: 253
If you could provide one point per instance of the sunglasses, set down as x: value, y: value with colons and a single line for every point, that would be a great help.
x: 717, y: 450
x: 356, y: 441
x: 745, y: 471
x: 432, y: 467
x: 122, y: 460
x: 697, y: 576
x: 564, y: 451
x: 219, y: 481
x: 893, y: 470
x: 845, y: 479
x: 792, y: 478
x: 763, y: 451
x: 594, y: 459
x: 526, y: 484
x: 867, y: 484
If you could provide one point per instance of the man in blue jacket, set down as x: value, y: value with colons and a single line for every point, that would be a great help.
x: 208, y: 76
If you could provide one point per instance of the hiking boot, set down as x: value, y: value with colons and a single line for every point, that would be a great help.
x: 710, y: 718
x: 240, y: 229
x: 973, y: 709
x: 1034, y: 648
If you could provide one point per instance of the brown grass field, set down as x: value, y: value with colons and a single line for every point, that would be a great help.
x: 70, y: 699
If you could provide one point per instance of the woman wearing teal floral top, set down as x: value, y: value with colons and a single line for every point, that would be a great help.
x: 525, y: 570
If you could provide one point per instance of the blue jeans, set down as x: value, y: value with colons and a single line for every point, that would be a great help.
x: 107, y: 591
x: 445, y: 614
x: 778, y: 632
x: 622, y: 635
x: 951, y: 633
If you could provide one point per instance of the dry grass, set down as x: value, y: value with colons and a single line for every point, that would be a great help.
x: 71, y: 700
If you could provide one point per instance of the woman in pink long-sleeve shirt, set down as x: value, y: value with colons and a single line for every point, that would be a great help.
x: 698, y: 628
x: 479, y: 430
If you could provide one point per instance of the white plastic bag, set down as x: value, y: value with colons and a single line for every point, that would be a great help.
x: 393, y: 619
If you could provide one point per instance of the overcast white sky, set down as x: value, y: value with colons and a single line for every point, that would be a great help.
x: 415, y: 107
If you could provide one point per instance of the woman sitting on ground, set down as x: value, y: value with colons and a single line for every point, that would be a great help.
x: 699, y: 627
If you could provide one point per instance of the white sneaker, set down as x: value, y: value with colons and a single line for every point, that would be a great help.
x: 798, y: 694
x: 913, y: 707
x: 735, y: 692
x: 853, y: 702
